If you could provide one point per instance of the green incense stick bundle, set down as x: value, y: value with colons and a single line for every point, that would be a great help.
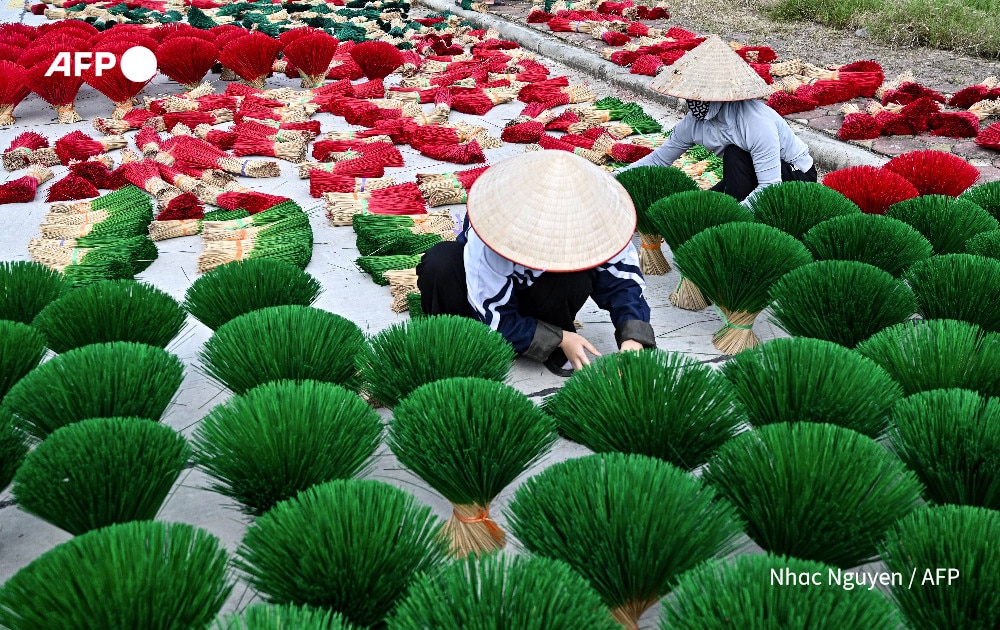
x: 237, y: 288
x: 26, y: 288
x: 735, y: 265
x: 958, y: 286
x: 21, y: 350
x: 945, y: 221
x: 810, y: 380
x: 855, y: 490
x: 107, y: 380
x: 500, y: 591
x: 350, y: 546
x: 283, y: 437
x: 291, y: 342
x: 741, y: 593
x: 681, y: 216
x: 951, y: 439
x: 842, y: 301
x: 796, y: 207
x: 469, y: 438
x: 880, y: 241
x: 596, y: 514
x: 412, y: 353
x: 143, y: 574
x: 77, y: 486
x: 646, y: 185
x: 958, y: 541
x: 111, y: 310
x: 660, y: 404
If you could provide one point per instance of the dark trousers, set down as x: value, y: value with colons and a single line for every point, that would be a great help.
x: 739, y: 177
x: 555, y: 298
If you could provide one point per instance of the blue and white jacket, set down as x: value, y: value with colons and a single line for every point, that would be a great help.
x: 493, y: 282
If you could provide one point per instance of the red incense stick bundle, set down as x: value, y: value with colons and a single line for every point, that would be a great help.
x: 71, y: 188
x: 197, y: 152
x: 294, y: 152
x: 79, y: 146
x: 469, y: 153
x: 16, y: 156
x: 321, y: 182
x: 13, y: 89
x: 249, y: 200
x: 251, y: 57
x: 97, y: 171
x: 58, y: 90
x: 186, y: 60
x: 22, y: 190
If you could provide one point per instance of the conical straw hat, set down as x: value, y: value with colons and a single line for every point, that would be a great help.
x: 711, y: 72
x: 551, y: 210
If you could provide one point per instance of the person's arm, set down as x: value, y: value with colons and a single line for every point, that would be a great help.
x: 490, y: 281
x: 764, y: 146
x: 619, y: 290
x: 679, y: 141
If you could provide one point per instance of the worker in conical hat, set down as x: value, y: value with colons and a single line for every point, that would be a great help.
x: 544, y: 231
x: 757, y: 146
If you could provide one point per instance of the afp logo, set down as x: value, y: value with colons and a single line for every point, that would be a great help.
x: 138, y: 63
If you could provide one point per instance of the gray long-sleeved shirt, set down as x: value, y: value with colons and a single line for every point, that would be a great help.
x: 750, y: 125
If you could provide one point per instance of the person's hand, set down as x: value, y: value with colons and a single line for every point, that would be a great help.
x: 575, y: 346
x: 631, y: 344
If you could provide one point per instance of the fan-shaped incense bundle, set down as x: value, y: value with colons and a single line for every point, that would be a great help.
x: 235, y: 289
x: 351, y: 546
x: 326, y: 433
x: 13, y: 90
x: 735, y: 266
x: 945, y: 221
x: 959, y: 538
x: 186, y: 60
x: 290, y: 343
x: 795, y: 207
x: 21, y: 350
x: 937, y: 354
x: 58, y: 90
x: 811, y: 380
x: 738, y: 592
x: 451, y: 431
x: 935, y: 172
x: 410, y: 354
x: 872, y: 189
x: 103, y: 578
x: 680, y: 216
x: 251, y: 57
x: 858, y: 490
x: 986, y: 196
x: 96, y: 381
x: 957, y: 286
x: 985, y: 244
x: 122, y: 310
x: 26, y: 288
x: 840, y: 301
x: 67, y: 482
x: 646, y: 185
x: 655, y: 403
x: 948, y: 437
x: 590, y: 512
x: 529, y: 593
x: 883, y: 242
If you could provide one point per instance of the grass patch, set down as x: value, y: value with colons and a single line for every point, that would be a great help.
x: 967, y: 26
